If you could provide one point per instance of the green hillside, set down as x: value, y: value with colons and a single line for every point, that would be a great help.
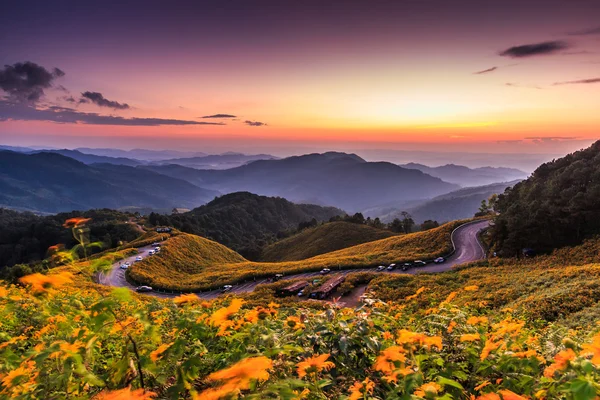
x: 322, y: 239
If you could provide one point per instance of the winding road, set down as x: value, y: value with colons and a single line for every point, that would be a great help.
x: 464, y: 238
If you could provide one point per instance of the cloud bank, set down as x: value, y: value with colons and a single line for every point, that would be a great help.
x: 100, y: 100
x: 26, y: 82
x: 535, y: 49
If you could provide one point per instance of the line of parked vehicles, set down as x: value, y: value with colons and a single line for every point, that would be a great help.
x: 155, y: 249
x: 408, y: 265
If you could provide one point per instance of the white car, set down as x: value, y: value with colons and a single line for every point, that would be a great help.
x: 151, y: 252
x: 381, y: 268
x: 138, y: 258
x: 439, y: 260
x: 127, y: 264
x: 143, y: 289
x: 226, y: 288
x: 391, y: 267
x: 301, y: 293
x: 325, y: 271
x: 157, y: 249
x: 123, y: 266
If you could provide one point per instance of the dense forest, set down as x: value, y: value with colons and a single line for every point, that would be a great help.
x: 245, y: 222
x: 557, y: 206
x: 26, y: 237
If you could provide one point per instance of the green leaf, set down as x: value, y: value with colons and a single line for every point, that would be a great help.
x: 582, y: 390
x: 449, y: 382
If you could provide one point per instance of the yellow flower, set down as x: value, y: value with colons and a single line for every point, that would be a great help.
x: 472, y: 288
x: 470, y: 337
x: 477, y: 320
x: 488, y: 347
x: 314, y: 365
x: 3, y: 292
x: 418, y: 292
x: 561, y: 361
x: 294, y: 322
x: 125, y: 394
x: 185, y: 298
x: 41, y: 283
x: 223, y: 314
x: 451, y: 326
x: 489, y: 396
x: 408, y: 337
x: 156, y: 354
x: 428, y: 388
x: 359, y: 389
x: 450, y: 297
x: 482, y: 385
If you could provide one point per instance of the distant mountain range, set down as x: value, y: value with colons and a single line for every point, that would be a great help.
x: 219, y: 161
x: 459, y: 204
x: 465, y: 176
x: 90, y: 158
x: 334, y: 179
x: 142, y: 154
x: 50, y: 182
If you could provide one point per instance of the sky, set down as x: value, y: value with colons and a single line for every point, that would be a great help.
x: 288, y: 76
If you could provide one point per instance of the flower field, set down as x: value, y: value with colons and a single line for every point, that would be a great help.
x: 64, y: 339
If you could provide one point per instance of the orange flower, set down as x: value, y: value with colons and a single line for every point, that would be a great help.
x: 41, y: 283
x: 125, y: 394
x: 472, y: 288
x: 508, y: 395
x: 185, y: 298
x: 314, y: 365
x: 156, y: 354
x: 428, y: 388
x: 418, y: 292
x: 477, y: 320
x: 561, y: 361
x: 76, y: 222
x: 223, y: 314
x: 451, y: 326
x: 592, y: 349
x: 450, y: 297
x: 387, y: 335
x: 387, y: 359
x: 470, y: 337
x: 359, y: 389
x: 489, y: 396
x: 482, y: 385
x: 488, y: 347
x: 238, y: 376
x: 408, y: 337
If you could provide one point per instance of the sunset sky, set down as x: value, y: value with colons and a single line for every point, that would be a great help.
x: 444, y: 75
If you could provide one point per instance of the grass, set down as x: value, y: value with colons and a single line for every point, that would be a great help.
x: 192, y: 263
x: 322, y: 239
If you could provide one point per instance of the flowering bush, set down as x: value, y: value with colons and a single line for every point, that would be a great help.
x: 70, y: 338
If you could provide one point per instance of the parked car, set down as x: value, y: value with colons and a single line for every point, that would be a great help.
x: 380, y: 268
x: 406, y: 266
x: 127, y: 264
x: 325, y: 271
x: 155, y: 244
x: 439, y: 260
x: 123, y: 266
x: 277, y: 277
x: 226, y: 288
x: 138, y: 258
x: 301, y: 293
x: 142, y: 289
x: 419, y: 263
x: 157, y: 249
x: 151, y: 252
x: 391, y: 267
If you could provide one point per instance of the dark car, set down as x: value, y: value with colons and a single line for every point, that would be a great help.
x: 406, y: 266
x: 277, y: 277
x: 419, y: 263
x: 226, y: 288
x: 141, y: 289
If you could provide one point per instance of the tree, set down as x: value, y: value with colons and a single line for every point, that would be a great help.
x: 429, y: 224
x: 396, y: 226
x: 407, y: 222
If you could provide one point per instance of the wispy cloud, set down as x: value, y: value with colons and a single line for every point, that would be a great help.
x: 585, y: 32
x: 22, y: 112
x: 255, y: 123
x: 551, y: 139
x: 219, y: 116
x: 578, y: 82
x: 535, y: 49
x: 485, y: 71
x: 518, y: 85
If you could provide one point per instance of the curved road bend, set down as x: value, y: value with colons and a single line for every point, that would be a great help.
x: 465, y: 239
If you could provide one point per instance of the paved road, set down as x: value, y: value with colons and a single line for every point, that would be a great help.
x: 465, y: 240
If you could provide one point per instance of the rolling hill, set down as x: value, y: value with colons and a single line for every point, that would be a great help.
x: 90, y: 158
x: 335, y: 179
x: 50, y: 183
x: 244, y: 221
x: 200, y: 275
x: 322, y: 239
x: 217, y: 161
x: 467, y: 177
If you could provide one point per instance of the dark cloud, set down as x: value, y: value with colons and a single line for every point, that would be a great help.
x: 23, y: 112
x: 528, y: 50
x: 27, y: 81
x: 255, y: 123
x: 220, y: 116
x: 578, y: 82
x: 485, y: 71
x: 100, y: 100
x: 585, y: 32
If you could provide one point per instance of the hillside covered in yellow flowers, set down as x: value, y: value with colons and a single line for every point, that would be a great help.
x: 499, y: 329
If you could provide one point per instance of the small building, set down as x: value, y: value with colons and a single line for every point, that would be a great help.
x: 293, y: 288
x: 328, y: 287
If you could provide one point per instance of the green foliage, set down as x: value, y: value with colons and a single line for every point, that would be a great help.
x: 557, y: 206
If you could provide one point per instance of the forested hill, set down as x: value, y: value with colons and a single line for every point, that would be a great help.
x: 245, y: 222
x: 558, y: 205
